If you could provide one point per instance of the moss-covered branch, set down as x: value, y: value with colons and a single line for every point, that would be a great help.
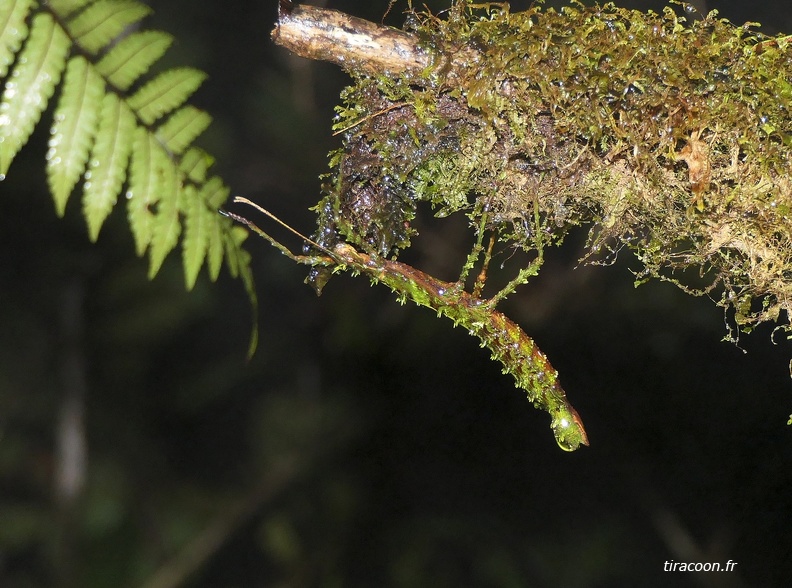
x: 665, y: 134
x: 668, y: 135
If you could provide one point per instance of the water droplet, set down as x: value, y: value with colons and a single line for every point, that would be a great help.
x: 2, y: 177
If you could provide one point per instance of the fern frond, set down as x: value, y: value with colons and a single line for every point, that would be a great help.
x: 13, y: 29
x: 30, y: 85
x: 101, y: 22
x: 182, y: 128
x: 132, y: 56
x: 109, y: 141
x: 166, y: 92
x: 76, y: 119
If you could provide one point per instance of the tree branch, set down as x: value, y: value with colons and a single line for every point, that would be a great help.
x: 352, y: 43
x: 665, y: 134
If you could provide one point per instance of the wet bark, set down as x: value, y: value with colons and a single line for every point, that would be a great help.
x: 352, y: 43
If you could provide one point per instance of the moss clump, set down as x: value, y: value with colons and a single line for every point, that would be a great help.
x: 665, y: 134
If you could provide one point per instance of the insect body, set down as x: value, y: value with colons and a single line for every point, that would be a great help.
x: 508, y: 343
x: 505, y: 339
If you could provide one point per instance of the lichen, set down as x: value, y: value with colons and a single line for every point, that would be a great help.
x: 667, y: 135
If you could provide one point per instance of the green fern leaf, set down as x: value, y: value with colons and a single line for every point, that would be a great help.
x: 250, y: 288
x: 30, y: 86
x: 197, y: 225
x: 183, y: 126
x: 143, y: 192
x: 165, y: 228
x: 214, y: 194
x: 195, y: 163
x: 132, y: 56
x: 238, y: 261
x: 13, y: 30
x: 73, y: 131
x: 65, y: 8
x: 215, y: 248
x: 230, y: 241
x: 166, y: 92
x: 101, y: 22
x: 108, y: 163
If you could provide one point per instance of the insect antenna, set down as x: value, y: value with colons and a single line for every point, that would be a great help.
x: 303, y: 259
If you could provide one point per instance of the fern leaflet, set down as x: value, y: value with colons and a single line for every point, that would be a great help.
x: 13, y: 29
x: 142, y: 193
x: 73, y: 130
x: 183, y: 126
x: 196, y: 236
x: 166, y: 226
x: 107, y: 166
x: 101, y: 22
x: 132, y: 56
x: 165, y: 92
x: 30, y: 85
x: 215, y: 191
x: 196, y: 163
x: 67, y: 8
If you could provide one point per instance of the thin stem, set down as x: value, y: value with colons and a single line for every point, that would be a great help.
x: 473, y: 256
x: 527, y: 272
x: 522, y: 278
x: 482, y: 277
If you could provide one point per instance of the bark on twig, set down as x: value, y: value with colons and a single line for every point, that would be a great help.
x: 352, y: 43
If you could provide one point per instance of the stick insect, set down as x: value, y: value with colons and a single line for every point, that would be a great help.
x: 507, y: 342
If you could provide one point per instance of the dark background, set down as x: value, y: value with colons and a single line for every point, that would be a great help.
x: 366, y: 443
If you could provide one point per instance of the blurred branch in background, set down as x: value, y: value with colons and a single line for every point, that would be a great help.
x: 71, y: 451
x: 175, y: 572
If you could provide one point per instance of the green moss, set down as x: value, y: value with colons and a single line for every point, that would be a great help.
x: 664, y: 134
